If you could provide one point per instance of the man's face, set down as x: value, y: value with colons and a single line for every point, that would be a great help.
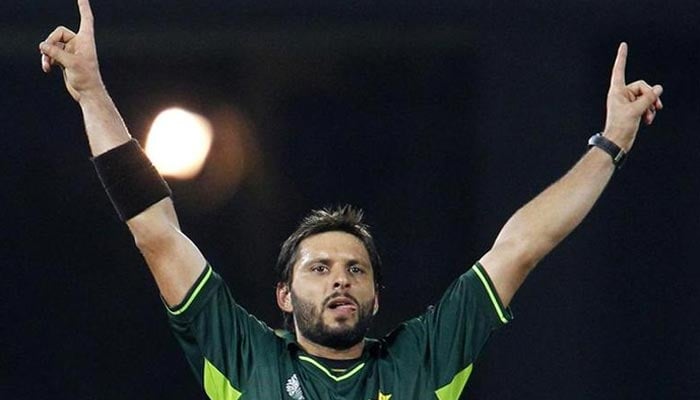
x: 332, y: 293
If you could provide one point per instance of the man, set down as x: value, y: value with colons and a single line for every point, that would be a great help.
x: 329, y: 270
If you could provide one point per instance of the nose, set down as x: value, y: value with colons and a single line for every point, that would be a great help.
x: 341, y: 280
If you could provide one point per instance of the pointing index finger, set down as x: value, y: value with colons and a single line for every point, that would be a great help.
x: 618, y: 73
x: 86, y: 18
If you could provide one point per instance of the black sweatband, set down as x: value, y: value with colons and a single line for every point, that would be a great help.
x: 132, y: 183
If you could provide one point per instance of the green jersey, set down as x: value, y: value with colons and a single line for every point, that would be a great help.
x: 236, y: 356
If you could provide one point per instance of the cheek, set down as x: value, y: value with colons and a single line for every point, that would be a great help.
x: 367, y: 288
x: 303, y: 306
x: 307, y: 294
x: 312, y: 286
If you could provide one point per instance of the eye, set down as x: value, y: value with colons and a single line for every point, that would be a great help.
x: 356, y: 269
x: 320, y: 268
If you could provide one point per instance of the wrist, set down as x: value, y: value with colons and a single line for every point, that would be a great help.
x: 621, y: 136
x: 103, y: 125
x: 617, y: 154
x: 95, y: 94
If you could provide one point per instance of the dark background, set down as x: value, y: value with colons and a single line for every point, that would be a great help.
x: 438, y: 118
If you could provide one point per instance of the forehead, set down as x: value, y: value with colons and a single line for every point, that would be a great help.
x: 332, y: 245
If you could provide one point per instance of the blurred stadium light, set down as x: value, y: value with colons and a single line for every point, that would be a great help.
x: 178, y: 143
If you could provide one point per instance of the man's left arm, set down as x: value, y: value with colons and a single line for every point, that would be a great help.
x: 536, y: 228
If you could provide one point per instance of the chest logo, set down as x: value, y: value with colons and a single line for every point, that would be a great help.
x: 294, y: 388
x: 383, y: 396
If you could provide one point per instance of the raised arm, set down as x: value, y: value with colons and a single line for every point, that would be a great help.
x: 536, y: 228
x: 173, y: 259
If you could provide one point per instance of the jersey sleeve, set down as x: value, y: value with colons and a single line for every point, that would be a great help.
x: 445, y: 341
x: 222, y: 342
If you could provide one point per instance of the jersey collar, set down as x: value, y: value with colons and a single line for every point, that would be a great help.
x: 291, y: 343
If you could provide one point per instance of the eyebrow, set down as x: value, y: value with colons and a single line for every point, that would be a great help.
x: 324, y: 260
x: 327, y: 260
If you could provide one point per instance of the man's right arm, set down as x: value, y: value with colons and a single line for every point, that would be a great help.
x: 173, y: 259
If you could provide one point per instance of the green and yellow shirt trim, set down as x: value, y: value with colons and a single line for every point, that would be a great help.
x: 504, y: 314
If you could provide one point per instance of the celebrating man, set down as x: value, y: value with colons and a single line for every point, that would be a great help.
x: 329, y: 271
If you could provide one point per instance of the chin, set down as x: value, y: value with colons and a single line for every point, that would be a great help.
x: 342, y: 322
x: 340, y: 326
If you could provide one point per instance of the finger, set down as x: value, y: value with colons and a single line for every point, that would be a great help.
x: 86, y: 18
x: 637, y: 86
x: 658, y: 105
x: 645, y: 96
x: 60, y: 34
x: 58, y: 37
x: 55, y: 54
x: 45, y: 63
x: 649, y: 115
x: 658, y: 90
x: 617, y: 79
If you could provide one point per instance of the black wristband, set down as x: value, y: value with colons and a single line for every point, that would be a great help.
x: 618, y: 155
x: 132, y: 183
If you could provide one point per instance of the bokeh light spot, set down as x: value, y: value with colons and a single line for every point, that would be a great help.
x: 179, y: 142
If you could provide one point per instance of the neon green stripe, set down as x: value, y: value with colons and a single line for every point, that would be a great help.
x: 327, y: 372
x: 194, y: 294
x: 453, y: 390
x: 492, y: 296
x: 216, y: 385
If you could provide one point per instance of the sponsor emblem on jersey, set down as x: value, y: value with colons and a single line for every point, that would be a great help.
x: 294, y: 388
x: 383, y: 396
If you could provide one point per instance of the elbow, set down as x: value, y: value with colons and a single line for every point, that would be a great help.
x: 152, y: 236
x: 150, y: 241
x: 155, y: 227
x: 524, y: 251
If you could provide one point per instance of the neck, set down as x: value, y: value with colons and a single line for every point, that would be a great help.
x: 318, y: 350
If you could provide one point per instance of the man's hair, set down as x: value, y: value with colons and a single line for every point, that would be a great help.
x: 344, y: 218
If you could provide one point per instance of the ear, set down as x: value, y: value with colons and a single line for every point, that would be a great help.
x: 376, y: 304
x: 284, y: 297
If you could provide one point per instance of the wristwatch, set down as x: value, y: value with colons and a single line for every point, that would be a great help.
x: 618, y: 155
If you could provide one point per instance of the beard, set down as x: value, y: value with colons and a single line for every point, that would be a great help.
x: 310, y: 323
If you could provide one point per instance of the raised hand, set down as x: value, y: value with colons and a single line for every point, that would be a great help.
x: 75, y: 53
x: 628, y: 104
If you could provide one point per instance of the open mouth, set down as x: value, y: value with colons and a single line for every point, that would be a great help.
x: 342, y: 303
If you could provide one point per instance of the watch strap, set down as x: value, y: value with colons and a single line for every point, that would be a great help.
x: 618, y: 155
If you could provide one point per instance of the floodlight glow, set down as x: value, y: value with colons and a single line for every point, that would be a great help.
x: 179, y: 142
